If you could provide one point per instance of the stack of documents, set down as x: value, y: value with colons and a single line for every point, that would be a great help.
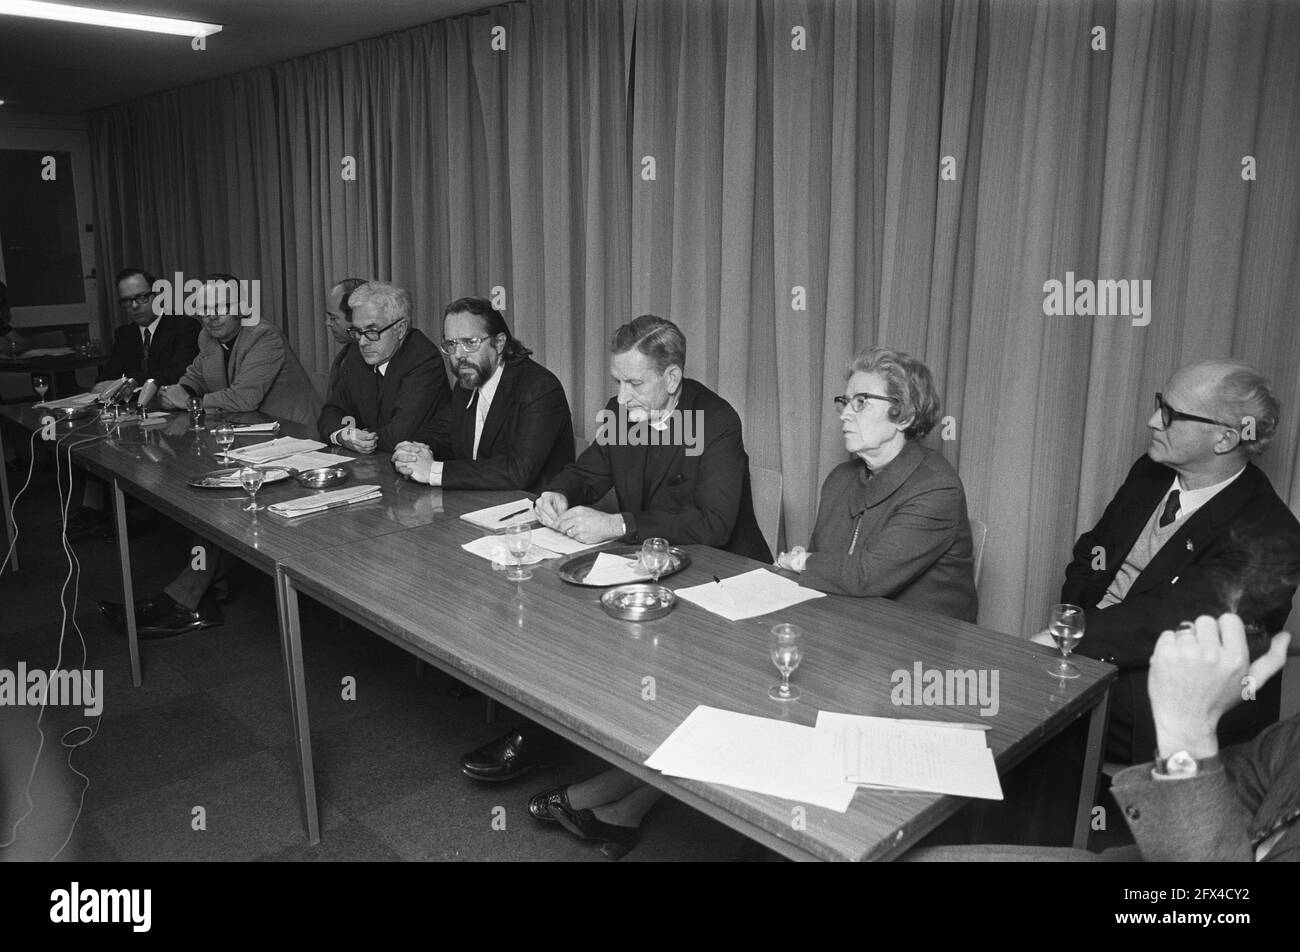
x: 48, y: 352
x: 74, y: 402
x: 251, y: 428
x: 755, y: 593
x: 289, y: 452
x: 496, y: 518
x: 306, y: 505
x: 493, y: 548
x: 824, y: 765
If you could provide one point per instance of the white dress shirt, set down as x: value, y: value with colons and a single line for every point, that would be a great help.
x: 486, y: 392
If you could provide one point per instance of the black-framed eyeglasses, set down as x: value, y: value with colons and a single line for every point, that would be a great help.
x: 468, y: 344
x: 371, y: 333
x: 144, y: 298
x: 858, y: 401
x: 1168, y: 415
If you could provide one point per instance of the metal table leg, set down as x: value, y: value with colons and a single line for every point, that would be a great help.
x: 286, y: 597
x: 1091, y: 771
x: 128, y: 591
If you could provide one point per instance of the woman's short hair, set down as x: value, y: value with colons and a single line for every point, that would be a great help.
x: 493, y: 321
x: 393, y: 302
x: 908, y: 382
x: 657, y: 337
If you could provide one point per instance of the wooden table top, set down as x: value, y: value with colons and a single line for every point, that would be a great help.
x: 546, y: 646
x: 155, y: 463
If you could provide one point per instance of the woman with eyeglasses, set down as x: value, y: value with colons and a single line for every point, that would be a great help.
x: 892, y: 521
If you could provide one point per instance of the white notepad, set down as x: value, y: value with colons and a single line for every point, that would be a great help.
x: 494, y: 517
x: 277, y: 450
x: 749, y: 595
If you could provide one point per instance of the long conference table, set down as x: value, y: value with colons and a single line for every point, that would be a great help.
x: 546, y: 649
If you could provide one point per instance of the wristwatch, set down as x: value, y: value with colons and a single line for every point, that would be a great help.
x: 1177, y: 767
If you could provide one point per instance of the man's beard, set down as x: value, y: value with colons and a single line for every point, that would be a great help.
x: 471, y: 376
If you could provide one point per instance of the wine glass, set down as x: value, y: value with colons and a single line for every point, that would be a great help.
x: 197, y: 413
x: 224, y: 434
x: 41, y: 384
x: 655, y: 557
x: 786, y: 655
x: 1066, y: 627
x: 519, y: 539
x: 250, y: 477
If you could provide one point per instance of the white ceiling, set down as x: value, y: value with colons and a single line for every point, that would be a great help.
x: 57, y: 68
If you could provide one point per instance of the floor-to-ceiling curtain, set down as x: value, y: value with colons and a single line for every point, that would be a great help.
x: 789, y: 181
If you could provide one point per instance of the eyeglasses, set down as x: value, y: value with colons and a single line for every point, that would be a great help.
x: 858, y: 401
x: 144, y: 298
x: 1168, y: 415
x: 371, y: 333
x: 468, y: 344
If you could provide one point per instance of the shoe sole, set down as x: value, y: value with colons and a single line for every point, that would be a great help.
x: 506, y: 779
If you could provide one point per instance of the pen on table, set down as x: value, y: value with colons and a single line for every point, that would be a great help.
x: 513, y: 514
x: 725, y: 592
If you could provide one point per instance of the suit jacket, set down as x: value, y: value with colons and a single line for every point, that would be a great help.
x: 398, y: 406
x: 264, y: 375
x: 527, y: 436
x: 1224, y: 812
x: 171, y: 349
x: 1238, y: 552
x: 913, y: 534
x: 663, y: 491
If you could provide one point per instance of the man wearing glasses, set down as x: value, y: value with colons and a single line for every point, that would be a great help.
x: 148, y: 345
x: 507, y: 424
x: 387, y: 388
x: 1196, y: 529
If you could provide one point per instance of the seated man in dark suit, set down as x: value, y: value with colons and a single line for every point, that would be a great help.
x: 507, y: 424
x: 391, y: 384
x: 239, y: 369
x: 338, y: 318
x: 1196, y: 529
x: 688, y: 483
x: 149, y: 345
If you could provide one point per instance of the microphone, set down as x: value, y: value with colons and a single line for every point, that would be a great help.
x: 148, y: 390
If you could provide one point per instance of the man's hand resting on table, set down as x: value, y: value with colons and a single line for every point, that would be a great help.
x: 581, y: 523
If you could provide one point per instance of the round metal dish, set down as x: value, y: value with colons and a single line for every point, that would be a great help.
x: 229, y: 478
x: 575, y: 569
x: 639, y: 602
x: 322, y: 478
x: 64, y: 414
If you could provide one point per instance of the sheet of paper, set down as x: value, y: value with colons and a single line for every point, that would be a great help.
x: 337, y: 498
x: 253, y: 428
x: 761, y: 754
x: 493, y: 548
x: 749, y: 595
x: 615, y: 570
x: 558, y: 542
x: 277, y: 449
x: 48, y: 352
x: 493, y: 517
x: 76, y: 401
x: 304, y: 461
x: 906, y: 755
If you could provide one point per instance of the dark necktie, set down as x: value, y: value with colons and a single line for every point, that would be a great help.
x: 1171, y: 509
x: 144, y: 359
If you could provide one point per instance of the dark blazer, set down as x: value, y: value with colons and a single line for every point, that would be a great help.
x: 172, y: 348
x: 527, y: 436
x: 264, y: 375
x: 913, y: 534
x: 398, y: 406
x: 1239, y: 552
x: 665, y: 492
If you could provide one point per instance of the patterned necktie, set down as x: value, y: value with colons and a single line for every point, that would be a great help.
x: 1171, y: 509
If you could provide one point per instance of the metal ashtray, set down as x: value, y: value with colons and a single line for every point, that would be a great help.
x: 322, y: 478
x: 639, y: 602
x: 65, y: 414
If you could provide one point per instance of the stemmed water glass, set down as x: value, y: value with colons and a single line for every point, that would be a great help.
x: 787, y: 652
x: 41, y: 384
x: 224, y: 434
x: 655, y: 557
x: 1066, y: 628
x: 519, y: 539
x: 251, y: 478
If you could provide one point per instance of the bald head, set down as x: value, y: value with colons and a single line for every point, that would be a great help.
x: 337, y: 315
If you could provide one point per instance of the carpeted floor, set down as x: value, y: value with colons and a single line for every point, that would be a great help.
x: 197, y: 763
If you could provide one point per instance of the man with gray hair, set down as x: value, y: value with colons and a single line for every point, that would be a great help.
x: 388, y: 388
x: 1196, y: 529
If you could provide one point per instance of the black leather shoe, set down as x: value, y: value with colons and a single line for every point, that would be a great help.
x: 163, y: 617
x: 539, y: 805
x: 615, y: 841
x: 509, y: 756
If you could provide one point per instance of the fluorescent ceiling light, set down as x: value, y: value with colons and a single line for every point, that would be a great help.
x: 93, y: 17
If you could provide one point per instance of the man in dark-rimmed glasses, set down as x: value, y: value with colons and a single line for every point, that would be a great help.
x: 148, y: 345
x: 1196, y: 529
x: 387, y: 388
